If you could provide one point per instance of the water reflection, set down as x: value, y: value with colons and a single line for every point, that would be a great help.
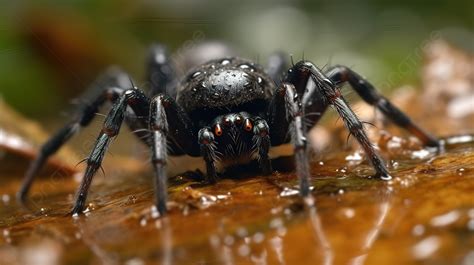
x: 321, y: 236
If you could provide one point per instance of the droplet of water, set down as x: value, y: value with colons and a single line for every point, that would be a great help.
x: 229, y: 240
x: 445, y: 219
x: 418, y: 230
x: 288, y: 192
x: 349, y: 213
x: 354, y: 157
x: 258, y: 237
x: 243, y: 250
x: 426, y: 247
x: 6, y: 198
x: 242, y: 232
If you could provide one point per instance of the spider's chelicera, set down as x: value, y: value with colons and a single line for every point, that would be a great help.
x: 224, y: 112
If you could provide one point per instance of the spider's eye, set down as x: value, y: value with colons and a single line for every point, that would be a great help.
x: 238, y: 120
x: 218, y: 130
x: 227, y: 122
x: 248, y: 125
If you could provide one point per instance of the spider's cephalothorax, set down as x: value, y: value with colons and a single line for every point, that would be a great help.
x: 223, y: 113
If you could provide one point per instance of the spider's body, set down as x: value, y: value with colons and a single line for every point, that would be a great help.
x: 225, y: 112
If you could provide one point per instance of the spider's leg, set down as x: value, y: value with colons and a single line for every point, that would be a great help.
x: 286, y: 114
x: 261, y: 139
x: 208, y: 152
x: 331, y: 94
x: 139, y: 103
x: 161, y: 72
x: 276, y: 67
x: 168, y: 121
x: 369, y: 94
x: 106, y: 88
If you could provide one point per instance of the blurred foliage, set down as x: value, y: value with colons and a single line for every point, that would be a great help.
x: 50, y: 50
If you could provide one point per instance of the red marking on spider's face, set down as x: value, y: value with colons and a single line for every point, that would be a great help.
x: 218, y: 130
x: 248, y: 126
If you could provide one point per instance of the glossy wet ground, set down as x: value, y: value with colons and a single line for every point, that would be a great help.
x: 424, y: 216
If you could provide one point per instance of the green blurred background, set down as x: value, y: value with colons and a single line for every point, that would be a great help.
x: 51, y: 50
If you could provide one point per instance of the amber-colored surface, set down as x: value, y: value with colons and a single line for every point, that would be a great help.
x: 425, y: 215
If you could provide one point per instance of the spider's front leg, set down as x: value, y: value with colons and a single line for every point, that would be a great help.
x: 286, y: 114
x: 108, y: 87
x: 325, y: 92
x: 139, y: 103
x: 168, y: 121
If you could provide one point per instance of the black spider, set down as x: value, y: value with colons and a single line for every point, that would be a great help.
x: 227, y: 111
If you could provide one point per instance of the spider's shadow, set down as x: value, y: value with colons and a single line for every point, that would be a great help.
x: 236, y: 172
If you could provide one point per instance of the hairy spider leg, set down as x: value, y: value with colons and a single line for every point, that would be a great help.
x: 107, y: 87
x: 168, y: 121
x: 325, y: 92
x: 339, y: 74
x: 139, y: 103
x: 262, y: 143
x: 286, y: 114
x: 207, y: 147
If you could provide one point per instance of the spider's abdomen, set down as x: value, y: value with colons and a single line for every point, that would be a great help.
x: 224, y: 84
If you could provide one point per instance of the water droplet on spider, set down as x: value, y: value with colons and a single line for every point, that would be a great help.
x: 259, y: 80
x: 196, y: 74
x: 194, y: 89
x: 225, y: 61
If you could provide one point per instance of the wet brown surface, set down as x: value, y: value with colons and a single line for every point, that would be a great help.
x: 425, y: 215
